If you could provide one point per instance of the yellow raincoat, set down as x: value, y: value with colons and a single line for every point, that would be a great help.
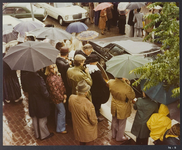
x: 159, y: 123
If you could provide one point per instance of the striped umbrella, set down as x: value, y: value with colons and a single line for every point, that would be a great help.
x: 87, y: 35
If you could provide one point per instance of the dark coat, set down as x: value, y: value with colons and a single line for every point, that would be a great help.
x: 130, y: 19
x: 80, y: 52
x: 63, y: 66
x: 38, y: 95
x: 168, y: 141
x: 99, y: 89
x: 145, y: 108
x: 11, y: 86
x: 85, y: 55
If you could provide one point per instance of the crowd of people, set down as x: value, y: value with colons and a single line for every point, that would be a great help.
x: 112, y: 17
x: 77, y: 90
x: 75, y: 87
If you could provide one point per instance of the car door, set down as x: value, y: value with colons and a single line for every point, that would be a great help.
x: 9, y: 11
x: 51, y: 10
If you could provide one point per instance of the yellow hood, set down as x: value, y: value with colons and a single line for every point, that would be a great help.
x: 163, y: 109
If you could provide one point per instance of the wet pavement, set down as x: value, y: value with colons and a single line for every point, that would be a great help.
x: 17, y: 124
x: 18, y: 129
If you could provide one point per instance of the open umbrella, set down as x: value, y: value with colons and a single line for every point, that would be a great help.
x: 102, y: 6
x: 87, y: 35
x: 26, y: 26
x: 122, y: 6
x: 135, y: 5
x: 51, y: 33
x: 120, y: 66
x: 10, y: 20
x: 76, y: 27
x: 31, y: 56
x: 9, y: 33
x: 159, y: 93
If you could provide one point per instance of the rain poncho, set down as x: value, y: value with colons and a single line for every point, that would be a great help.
x: 159, y: 123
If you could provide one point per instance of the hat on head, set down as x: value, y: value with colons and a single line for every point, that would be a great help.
x: 79, y: 57
x: 64, y: 50
x: 92, y: 58
x: 82, y: 86
x: 87, y: 46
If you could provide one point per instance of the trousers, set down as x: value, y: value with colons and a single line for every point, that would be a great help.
x: 137, y: 32
x: 60, y: 117
x: 40, y: 127
x: 118, y: 128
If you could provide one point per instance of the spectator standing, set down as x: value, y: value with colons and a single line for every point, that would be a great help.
x: 159, y: 123
x: 145, y: 107
x: 109, y: 17
x: 63, y: 65
x: 121, y: 104
x: 115, y: 13
x: 102, y: 20
x: 78, y: 73
x: 99, y: 89
x: 131, y: 23
x: 96, y: 14
x: 11, y: 85
x: 57, y: 93
x: 138, y: 18
x: 91, y: 12
x: 38, y: 100
x: 87, y: 49
x: 122, y: 22
x: 83, y: 115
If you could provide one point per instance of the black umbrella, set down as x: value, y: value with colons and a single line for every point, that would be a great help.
x: 31, y: 56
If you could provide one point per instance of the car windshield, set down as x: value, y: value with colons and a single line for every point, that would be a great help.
x: 33, y: 7
x: 117, y: 51
x: 58, y: 5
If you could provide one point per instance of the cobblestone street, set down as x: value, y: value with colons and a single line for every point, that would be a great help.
x: 18, y: 129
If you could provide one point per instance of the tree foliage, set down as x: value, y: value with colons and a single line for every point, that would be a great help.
x: 166, y: 67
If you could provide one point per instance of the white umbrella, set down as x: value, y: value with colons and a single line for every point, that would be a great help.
x: 135, y: 5
x: 122, y: 6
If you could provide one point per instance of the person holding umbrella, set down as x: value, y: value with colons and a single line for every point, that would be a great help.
x: 38, y: 98
x: 102, y: 20
x: 121, y: 104
x: 58, y: 95
x: 11, y: 85
x: 145, y: 107
x: 122, y: 22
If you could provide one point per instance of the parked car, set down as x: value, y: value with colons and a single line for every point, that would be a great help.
x: 64, y: 12
x: 23, y: 10
x: 106, y: 48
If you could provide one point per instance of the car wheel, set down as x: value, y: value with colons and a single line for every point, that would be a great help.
x: 61, y: 22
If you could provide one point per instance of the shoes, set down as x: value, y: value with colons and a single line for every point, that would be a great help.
x: 50, y: 135
x: 125, y: 138
x: 102, y: 33
x: 63, y: 132
x: 100, y: 119
x: 7, y: 101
